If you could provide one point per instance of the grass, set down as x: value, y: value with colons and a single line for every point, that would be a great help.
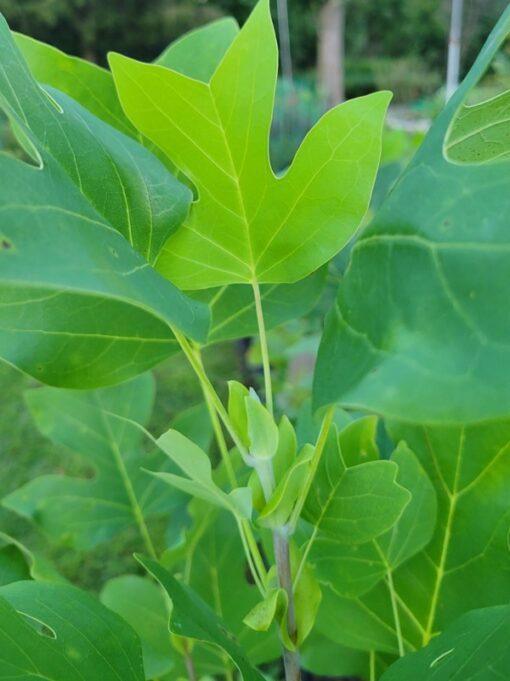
x: 26, y: 454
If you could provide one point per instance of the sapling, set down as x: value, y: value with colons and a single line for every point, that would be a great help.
x: 148, y: 221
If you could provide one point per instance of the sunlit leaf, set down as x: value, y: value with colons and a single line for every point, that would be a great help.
x: 248, y: 225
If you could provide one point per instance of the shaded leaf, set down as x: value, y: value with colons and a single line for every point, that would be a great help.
x: 83, y: 641
x: 353, y: 505
x: 193, y: 618
x: 140, y: 602
x: 466, y: 564
x: 85, y: 512
x: 420, y: 330
x: 78, y: 306
x: 196, y: 465
x: 475, y: 647
x: 197, y: 53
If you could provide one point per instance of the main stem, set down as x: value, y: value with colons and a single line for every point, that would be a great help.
x: 280, y: 535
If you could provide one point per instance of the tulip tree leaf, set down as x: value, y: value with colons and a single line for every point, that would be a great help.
x: 124, y: 182
x: 248, y: 225
x: 421, y: 326
x: 78, y: 306
x: 193, y: 618
x: 85, y: 512
x: 481, y: 132
x: 351, y: 570
x: 140, y: 602
x: 466, y: 564
x: 83, y: 640
x: 18, y: 563
x: 352, y: 505
x: 475, y: 647
x: 198, y: 481
x: 197, y: 53
x: 233, y: 308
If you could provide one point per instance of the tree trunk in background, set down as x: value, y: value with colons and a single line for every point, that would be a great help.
x: 284, y: 35
x: 453, y: 67
x: 330, y: 52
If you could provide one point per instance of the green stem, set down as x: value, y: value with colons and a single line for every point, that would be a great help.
x: 396, y: 615
x: 280, y: 536
x: 216, y: 424
x: 133, y: 500
x: 206, y: 383
x: 372, y: 665
x: 216, y: 409
x: 266, y: 365
x: 314, y: 465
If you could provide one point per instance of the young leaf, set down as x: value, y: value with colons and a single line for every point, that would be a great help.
x: 421, y: 327
x: 248, y: 225
x: 193, y: 618
x: 141, y: 604
x: 351, y: 570
x: 467, y: 562
x: 196, y: 466
x: 474, y: 647
x: 262, y: 430
x: 85, y: 512
x: 86, y: 641
x: 353, y: 505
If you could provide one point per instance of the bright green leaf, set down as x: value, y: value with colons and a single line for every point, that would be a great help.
x: 249, y: 225
x: 262, y: 430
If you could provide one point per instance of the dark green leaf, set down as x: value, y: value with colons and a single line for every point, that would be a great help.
x: 421, y: 327
x: 81, y: 640
x: 474, y: 648
x: 193, y: 618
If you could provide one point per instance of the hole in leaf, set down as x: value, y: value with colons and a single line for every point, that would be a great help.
x: 41, y: 628
x: 5, y: 244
